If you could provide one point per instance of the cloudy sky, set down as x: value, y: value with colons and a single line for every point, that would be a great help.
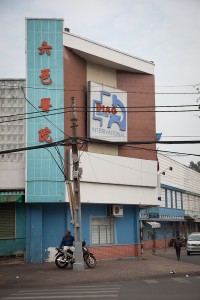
x: 165, y: 32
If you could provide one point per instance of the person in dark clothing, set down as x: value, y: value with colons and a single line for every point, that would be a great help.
x: 67, y: 240
x: 177, y: 246
x: 67, y: 243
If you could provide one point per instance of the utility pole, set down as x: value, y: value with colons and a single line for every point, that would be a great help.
x: 78, y: 265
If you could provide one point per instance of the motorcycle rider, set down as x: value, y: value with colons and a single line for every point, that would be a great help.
x: 67, y: 243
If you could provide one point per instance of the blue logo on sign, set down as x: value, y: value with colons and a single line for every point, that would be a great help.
x: 100, y: 111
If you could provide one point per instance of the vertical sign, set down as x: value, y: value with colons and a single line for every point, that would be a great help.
x: 45, y: 94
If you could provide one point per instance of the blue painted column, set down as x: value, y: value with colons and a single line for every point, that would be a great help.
x: 34, y: 234
x: 137, y: 225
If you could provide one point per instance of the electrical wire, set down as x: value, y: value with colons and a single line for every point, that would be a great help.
x: 41, y: 113
x: 89, y: 107
x: 84, y: 111
x: 162, y: 151
x: 57, y: 163
x: 135, y: 85
x: 139, y: 142
x: 84, y: 89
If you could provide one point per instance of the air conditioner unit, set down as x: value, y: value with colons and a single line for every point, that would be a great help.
x: 117, y: 210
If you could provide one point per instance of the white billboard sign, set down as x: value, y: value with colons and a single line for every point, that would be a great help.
x: 107, y: 113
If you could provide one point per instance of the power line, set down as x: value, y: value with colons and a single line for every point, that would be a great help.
x: 141, y: 142
x: 41, y: 113
x: 81, y: 141
x: 62, y: 171
x: 64, y: 142
x: 58, y: 113
x: 135, y: 85
x: 162, y: 151
x: 84, y: 89
x: 49, y: 145
x: 90, y: 107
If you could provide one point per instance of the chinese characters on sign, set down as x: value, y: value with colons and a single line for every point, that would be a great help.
x: 45, y: 76
x: 44, y: 135
x: 45, y: 104
x: 45, y: 48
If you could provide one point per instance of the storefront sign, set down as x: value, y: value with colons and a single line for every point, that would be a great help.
x: 10, y: 198
x: 107, y: 113
x: 153, y: 212
x: 45, y: 91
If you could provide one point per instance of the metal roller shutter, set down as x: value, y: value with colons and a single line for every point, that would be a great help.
x: 7, y: 220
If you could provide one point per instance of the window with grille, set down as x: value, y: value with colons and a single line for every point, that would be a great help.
x: 7, y: 220
x: 102, y: 231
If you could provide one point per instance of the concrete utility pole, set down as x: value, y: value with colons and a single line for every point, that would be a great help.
x: 78, y: 265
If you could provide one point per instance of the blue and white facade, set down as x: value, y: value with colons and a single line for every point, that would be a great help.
x: 45, y: 184
x: 109, y: 179
x: 45, y: 92
x: 179, y: 210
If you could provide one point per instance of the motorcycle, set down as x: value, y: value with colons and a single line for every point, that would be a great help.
x: 62, y: 261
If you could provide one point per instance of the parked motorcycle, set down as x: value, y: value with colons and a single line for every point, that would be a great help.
x: 62, y: 262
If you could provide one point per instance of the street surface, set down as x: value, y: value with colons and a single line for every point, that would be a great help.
x: 154, y: 277
x: 156, y: 289
x: 193, y: 258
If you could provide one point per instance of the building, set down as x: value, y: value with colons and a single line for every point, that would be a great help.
x: 121, y: 196
x: 116, y: 180
x: 12, y: 168
x: 177, y: 213
x: 179, y: 210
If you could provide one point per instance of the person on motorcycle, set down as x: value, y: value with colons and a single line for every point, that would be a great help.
x: 67, y: 243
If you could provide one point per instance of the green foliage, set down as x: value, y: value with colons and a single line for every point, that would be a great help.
x: 151, y: 234
x: 195, y: 166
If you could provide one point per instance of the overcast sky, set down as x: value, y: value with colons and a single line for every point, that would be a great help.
x: 163, y: 31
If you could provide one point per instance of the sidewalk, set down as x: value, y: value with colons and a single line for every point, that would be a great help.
x: 15, y: 275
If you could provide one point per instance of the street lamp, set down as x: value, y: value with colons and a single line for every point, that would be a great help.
x: 159, y: 181
x: 169, y: 168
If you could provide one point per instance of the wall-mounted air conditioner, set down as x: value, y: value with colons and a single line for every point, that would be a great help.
x: 117, y: 210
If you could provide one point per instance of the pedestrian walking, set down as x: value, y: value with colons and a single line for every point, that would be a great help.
x: 177, y: 246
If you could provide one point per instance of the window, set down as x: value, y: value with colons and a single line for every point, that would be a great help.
x: 166, y: 198
x: 7, y: 220
x: 102, y: 231
x: 178, y: 200
x: 169, y: 202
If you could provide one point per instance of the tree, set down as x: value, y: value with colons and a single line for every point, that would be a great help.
x: 164, y: 230
x: 195, y: 166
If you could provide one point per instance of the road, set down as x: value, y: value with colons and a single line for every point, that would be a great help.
x: 173, y: 287
x: 183, y: 288
x: 193, y: 258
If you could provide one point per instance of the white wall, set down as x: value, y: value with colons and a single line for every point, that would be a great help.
x: 12, y: 175
x: 12, y: 134
x: 118, y: 180
x: 118, y: 194
x: 180, y: 177
x: 101, y: 168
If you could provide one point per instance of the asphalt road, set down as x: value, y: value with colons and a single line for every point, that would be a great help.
x: 193, y: 258
x: 173, y: 287
x: 165, y: 289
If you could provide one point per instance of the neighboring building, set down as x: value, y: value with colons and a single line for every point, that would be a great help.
x: 12, y: 168
x: 179, y: 211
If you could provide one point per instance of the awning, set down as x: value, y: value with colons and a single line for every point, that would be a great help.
x: 154, y: 224
x: 188, y: 217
